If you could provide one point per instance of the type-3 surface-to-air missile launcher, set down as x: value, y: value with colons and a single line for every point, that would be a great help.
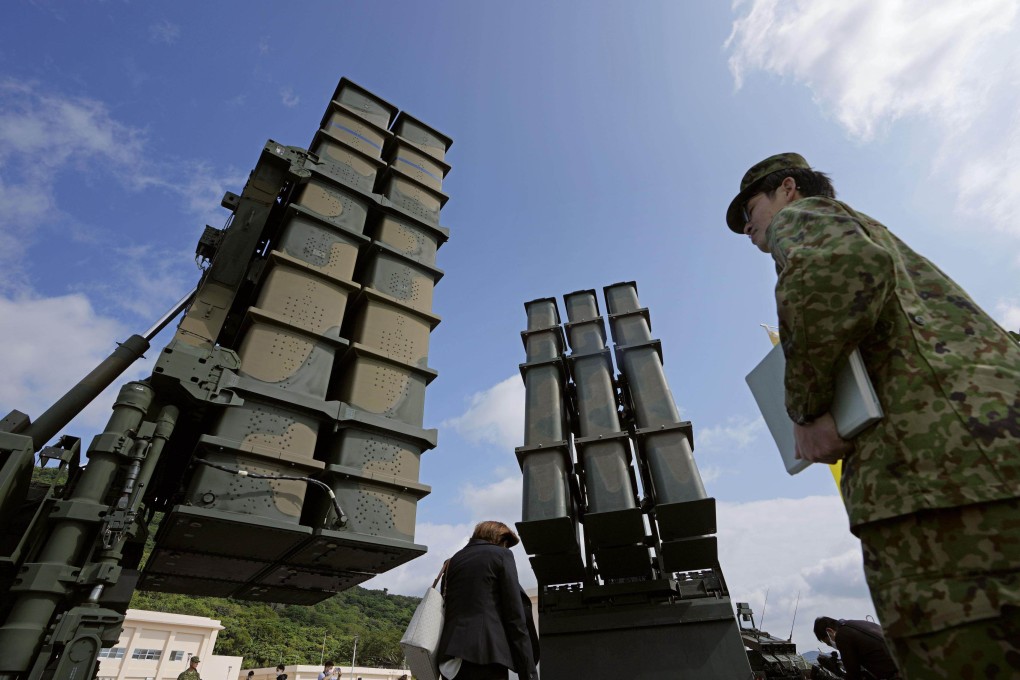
x: 279, y: 435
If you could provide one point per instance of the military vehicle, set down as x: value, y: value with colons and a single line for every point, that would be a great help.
x: 771, y: 658
x: 274, y: 450
x: 616, y: 519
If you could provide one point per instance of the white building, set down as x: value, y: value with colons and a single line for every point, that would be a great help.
x: 158, y: 646
x: 306, y: 672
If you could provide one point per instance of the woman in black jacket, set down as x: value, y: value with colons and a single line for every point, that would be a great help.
x: 488, y: 627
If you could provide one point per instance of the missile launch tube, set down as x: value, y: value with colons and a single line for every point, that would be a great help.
x: 669, y: 455
x: 57, y: 416
x: 606, y: 463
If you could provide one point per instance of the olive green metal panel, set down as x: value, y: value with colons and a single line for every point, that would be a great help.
x: 391, y: 327
x: 418, y: 164
x: 374, y: 452
x: 304, y: 296
x: 376, y: 382
x: 350, y: 127
x: 693, y: 640
x: 274, y: 499
x: 345, y: 550
x: 266, y: 428
x: 376, y: 504
x: 345, y: 163
x: 407, y: 193
x: 367, y: 104
x: 402, y: 278
x: 16, y: 459
x: 423, y: 136
x: 417, y: 240
x: 334, y: 203
x: 279, y: 354
x: 193, y: 529
x: 330, y: 248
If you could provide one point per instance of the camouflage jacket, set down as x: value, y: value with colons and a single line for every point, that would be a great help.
x: 190, y: 674
x: 947, y: 375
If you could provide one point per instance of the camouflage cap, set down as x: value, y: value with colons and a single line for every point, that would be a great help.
x: 749, y: 184
x: 195, y: 659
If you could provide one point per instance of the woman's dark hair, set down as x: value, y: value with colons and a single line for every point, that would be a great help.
x: 496, y: 533
x: 809, y: 182
x: 821, y: 623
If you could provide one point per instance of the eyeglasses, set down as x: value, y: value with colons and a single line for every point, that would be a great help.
x: 748, y: 209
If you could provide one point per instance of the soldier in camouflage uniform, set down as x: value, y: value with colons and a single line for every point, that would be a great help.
x: 933, y: 489
x: 192, y: 672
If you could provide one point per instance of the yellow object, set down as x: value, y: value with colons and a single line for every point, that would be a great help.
x: 837, y: 469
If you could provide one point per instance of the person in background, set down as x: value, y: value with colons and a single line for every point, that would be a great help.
x: 192, y: 672
x: 487, y: 630
x: 861, y: 646
x: 933, y: 489
x: 327, y: 671
x: 280, y: 675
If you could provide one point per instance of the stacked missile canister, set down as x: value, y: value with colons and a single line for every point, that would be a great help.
x: 331, y: 376
x: 642, y: 594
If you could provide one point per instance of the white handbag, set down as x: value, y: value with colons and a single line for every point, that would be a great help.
x: 421, y: 639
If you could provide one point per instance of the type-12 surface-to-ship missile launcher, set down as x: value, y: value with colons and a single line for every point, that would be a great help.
x: 277, y: 442
x: 641, y: 595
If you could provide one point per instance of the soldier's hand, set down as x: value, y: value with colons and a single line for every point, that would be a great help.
x: 818, y: 441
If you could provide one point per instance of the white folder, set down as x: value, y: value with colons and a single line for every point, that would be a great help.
x: 855, y: 407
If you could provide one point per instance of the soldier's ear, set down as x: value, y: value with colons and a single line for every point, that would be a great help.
x: 789, y: 187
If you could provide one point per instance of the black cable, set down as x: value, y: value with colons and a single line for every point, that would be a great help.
x: 308, y: 480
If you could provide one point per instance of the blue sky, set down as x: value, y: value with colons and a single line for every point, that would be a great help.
x: 594, y: 143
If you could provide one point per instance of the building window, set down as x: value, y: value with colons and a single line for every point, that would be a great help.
x: 112, y: 653
x: 147, y: 654
x: 178, y: 655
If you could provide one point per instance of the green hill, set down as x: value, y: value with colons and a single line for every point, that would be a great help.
x: 268, y: 634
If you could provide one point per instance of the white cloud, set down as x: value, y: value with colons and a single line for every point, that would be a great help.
x: 51, y: 343
x: 785, y: 547
x: 839, y: 576
x: 872, y: 63
x: 500, y: 500
x: 44, y: 134
x: 164, y: 32
x: 289, y: 99
x: 735, y: 434
x: 494, y: 416
x: 1008, y: 314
